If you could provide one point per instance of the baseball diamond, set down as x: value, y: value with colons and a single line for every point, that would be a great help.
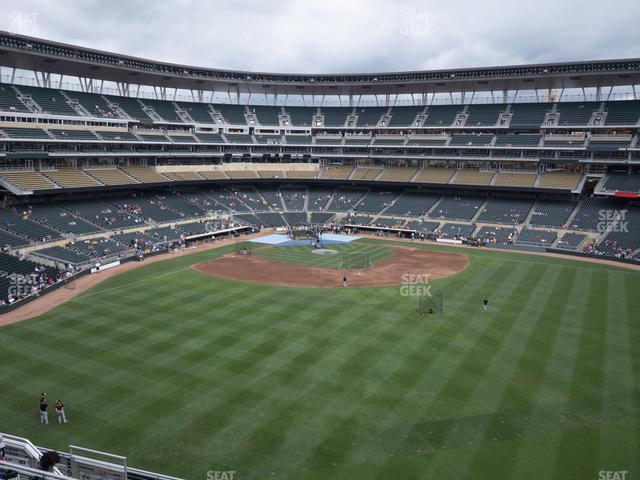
x: 220, y: 273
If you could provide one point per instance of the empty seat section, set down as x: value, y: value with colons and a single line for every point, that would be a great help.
x: 28, y: 181
x: 233, y: 114
x: 209, y: 137
x: 71, y: 178
x: 131, y: 107
x: 267, y: 115
x: 517, y: 140
x: 341, y: 172
x: 412, y: 204
x: 73, y: 135
x: 505, y: 211
x: 116, y: 136
x: 9, y: 101
x: 365, y: 173
x: 559, y: 180
x: 199, y: 112
x: 512, y: 179
x: 145, y: 174
x: 471, y: 140
x: 576, y: 113
x: 551, y: 213
x: 301, y: 116
x: 483, y: 115
x: 434, y: 175
x: 442, y: 115
x: 622, y: 112
x: 110, y: 176
x: 397, y: 174
x: 404, y: 116
x: 457, y: 208
x: 37, y: 133
x: 528, y: 115
x: 472, y: 176
x: 542, y: 238
x: 335, y: 116
x: 375, y: 202
x: 51, y: 101
x: 166, y: 109
x: 370, y: 116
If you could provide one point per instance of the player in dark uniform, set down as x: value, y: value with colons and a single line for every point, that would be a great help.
x: 59, y: 406
x: 44, y: 405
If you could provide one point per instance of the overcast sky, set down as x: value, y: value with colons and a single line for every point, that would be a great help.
x: 324, y: 36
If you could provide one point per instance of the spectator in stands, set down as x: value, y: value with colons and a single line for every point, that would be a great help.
x: 49, y: 460
x: 2, y: 447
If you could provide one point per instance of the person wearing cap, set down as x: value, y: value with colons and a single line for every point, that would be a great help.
x: 44, y: 405
x: 59, y: 406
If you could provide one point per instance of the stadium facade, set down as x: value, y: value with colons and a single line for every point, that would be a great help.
x: 102, y: 153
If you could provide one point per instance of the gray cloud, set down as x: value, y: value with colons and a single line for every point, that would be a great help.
x: 323, y: 36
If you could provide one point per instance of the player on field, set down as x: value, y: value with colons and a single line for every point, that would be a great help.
x: 485, y: 303
x: 44, y: 405
x: 344, y: 281
x: 59, y: 406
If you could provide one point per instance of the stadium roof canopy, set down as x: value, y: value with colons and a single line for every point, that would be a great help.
x: 28, y: 53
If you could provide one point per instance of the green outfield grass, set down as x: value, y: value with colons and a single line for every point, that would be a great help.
x: 302, y: 254
x: 185, y: 373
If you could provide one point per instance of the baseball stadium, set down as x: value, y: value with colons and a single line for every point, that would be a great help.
x: 230, y: 274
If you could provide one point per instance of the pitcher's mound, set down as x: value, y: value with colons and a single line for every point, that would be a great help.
x: 401, y: 267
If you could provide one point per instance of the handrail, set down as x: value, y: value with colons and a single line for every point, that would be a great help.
x: 32, y: 472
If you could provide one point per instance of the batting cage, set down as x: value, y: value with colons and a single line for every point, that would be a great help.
x: 304, y: 232
x: 356, y: 261
x: 243, y: 248
x: 431, y: 301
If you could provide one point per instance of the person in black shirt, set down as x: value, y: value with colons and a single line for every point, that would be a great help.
x: 48, y: 460
x: 44, y: 416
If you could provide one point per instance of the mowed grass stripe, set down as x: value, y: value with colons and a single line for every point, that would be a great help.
x: 310, y: 383
x: 549, y: 409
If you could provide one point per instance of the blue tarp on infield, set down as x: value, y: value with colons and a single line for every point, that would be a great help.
x: 285, y: 241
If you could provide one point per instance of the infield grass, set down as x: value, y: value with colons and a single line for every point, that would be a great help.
x: 304, y: 255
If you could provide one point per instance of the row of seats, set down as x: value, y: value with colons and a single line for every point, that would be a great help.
x: 72, y: 103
